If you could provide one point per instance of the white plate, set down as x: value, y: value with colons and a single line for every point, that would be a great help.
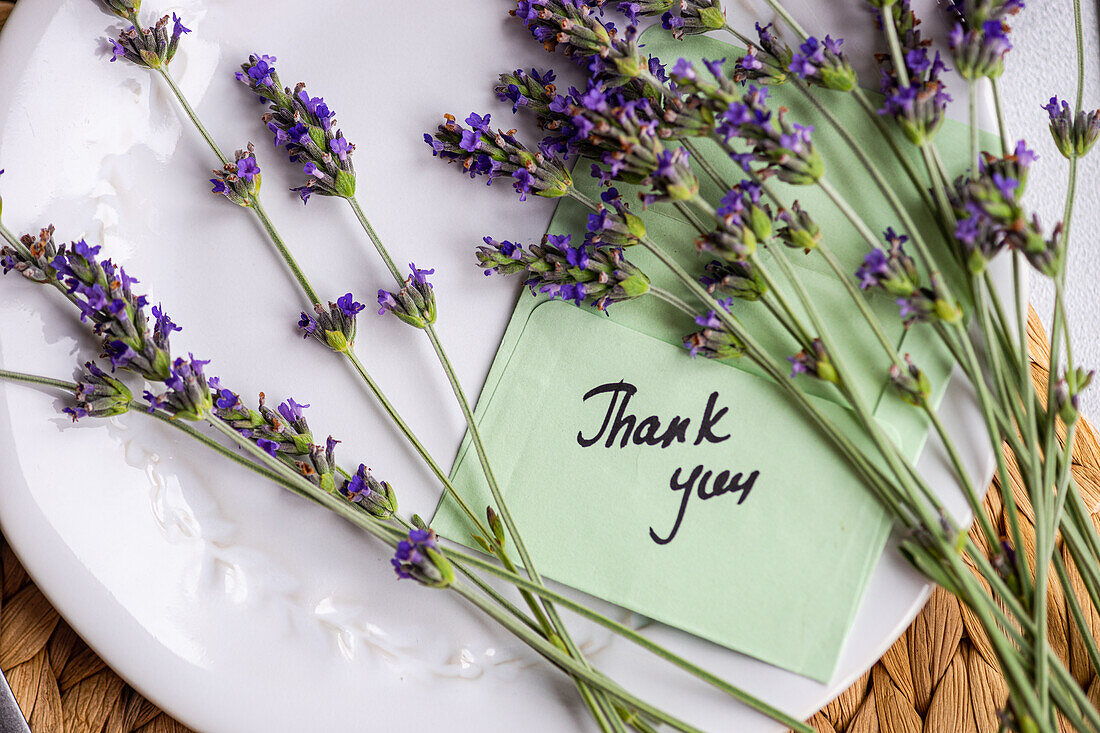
x: 232, y: 605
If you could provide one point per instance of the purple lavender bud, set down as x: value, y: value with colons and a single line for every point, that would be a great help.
x: 634, y: 9
x: 414, y: 303
x: 306, y: 127
x: 376, y: 497
x: 991, y: 218
x: 151, y: 47
x: 1074, y: 134
x: 239, y: 181
x: 672, y: 179
x: 334, y: 326
x: 1067, y: 396
x: 419, y: 558
x: 714, y: 341
x: 99, y: 395
x: 534, y: 90
x: 895, y: 273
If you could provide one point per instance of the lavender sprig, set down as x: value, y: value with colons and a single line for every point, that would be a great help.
x: 742, y: 222
x: 282, y: 432
x: 98, y: 394
x: 600, y: 275
x: 37, y: 262
x: 306, y: 127
x: 814, y: 362
x: 572, y: 27
x: 613, y: 224
x: 740, y: 280
x: 823, y: 64
x: 991, y: 217
x: 979, y: 38
x: 910, y: 383
x: 695, y: 17
x: 918, y: 101
x: 799, y: 230
x: 495, y: 154
x: 414, y: 303
x: 786, y: 148
x: 895, y: 273
x: 152, y: 47
x: 419, y: 558
x: 334, y: 326
x: 239, y: 181
x: 715, y: 341
x: 127, y: 9
x: 767, y: 63
x: 1074, y: 134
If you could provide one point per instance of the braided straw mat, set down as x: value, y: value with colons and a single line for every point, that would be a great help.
x: 941, y: 675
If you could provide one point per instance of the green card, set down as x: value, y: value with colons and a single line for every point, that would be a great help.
x: 691, y: 491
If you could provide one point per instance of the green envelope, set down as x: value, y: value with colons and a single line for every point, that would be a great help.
x: 715, y: 506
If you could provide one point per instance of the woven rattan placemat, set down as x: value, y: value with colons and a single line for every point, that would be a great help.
x: 940, y: 676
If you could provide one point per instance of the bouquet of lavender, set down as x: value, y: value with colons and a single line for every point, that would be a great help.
x: 640, y: 121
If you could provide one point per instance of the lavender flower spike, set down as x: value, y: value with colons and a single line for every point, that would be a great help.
x: 98, y: 394
x: 979, y: 38
x: 823, y: 63
x: 715, y: 341
x: 104, y: 295
x: 335, y: 326
x: 306, y: 127
x: 39, y: 266
x: 419, y: 558
x: 740, y: 280
x: 414, y: 303
x: 917, y: 106
x: 695, y: 17
x: 376, y: 497
x: 814, y: 362
x: 188, y: 396
x: 496, y: 154
x: 785, y: 147
x: 912, y: 385
x: 572, y: 27
x: 1073, y: 134
x: 284, y: 433
x: 600, y: 275
x: 151, y: 47
x: 239, y: 181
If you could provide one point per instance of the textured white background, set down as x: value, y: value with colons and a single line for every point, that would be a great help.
x: 1043, y: 64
